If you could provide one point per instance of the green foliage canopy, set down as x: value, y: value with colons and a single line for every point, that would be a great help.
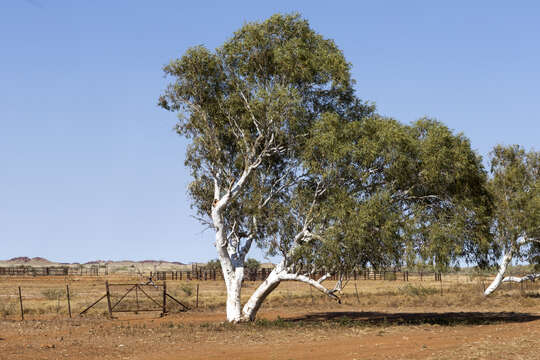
x: 395, y: 194
x: 253, y: 102
x: 515, y: 185
x: 274, y: 123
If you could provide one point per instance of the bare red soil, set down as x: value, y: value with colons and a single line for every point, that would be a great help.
x: 355, y: 335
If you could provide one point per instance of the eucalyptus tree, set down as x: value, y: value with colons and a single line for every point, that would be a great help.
x: 397, y: 192
x: 515, y: 187
x: 285, y: 156
x: 248, y: 108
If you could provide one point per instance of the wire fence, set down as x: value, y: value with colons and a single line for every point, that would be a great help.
x: 202, y: 274
x: 57, y: 294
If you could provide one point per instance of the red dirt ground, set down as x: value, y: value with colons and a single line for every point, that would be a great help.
x: 198, y: 335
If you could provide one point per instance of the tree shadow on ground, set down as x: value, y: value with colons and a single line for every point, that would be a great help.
x: 446, y: 318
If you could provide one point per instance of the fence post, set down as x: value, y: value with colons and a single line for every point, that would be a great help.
x: 107, y: 292
x: 68, y: 300
x: 164, y: 298
x: 137, y: 297
x: 20, y: 300
x: 197, y: 298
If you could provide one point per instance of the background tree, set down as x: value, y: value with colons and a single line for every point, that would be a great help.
x: 395, y: 192
x: 213, y: 265
x: 252, y: 264
x: 515, y: 187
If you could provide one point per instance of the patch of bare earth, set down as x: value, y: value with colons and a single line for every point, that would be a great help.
x: 378, y: 320
x: 322, y: 335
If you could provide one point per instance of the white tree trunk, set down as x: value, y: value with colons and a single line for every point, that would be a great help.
x: 277, y: 275
x: 231, y: 258
x: 233, y: 273
x: 255, y: 301
x: 499, y: 279
x: 500, y: 274
x: 234, y: 292
x: 232, y: 265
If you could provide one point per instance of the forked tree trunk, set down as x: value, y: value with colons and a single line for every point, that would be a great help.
x: 233, y: 271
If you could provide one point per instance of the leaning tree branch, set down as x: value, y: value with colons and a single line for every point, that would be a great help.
x: 314, y: 283
x: 528, y: 277
x: 514, y: 248
x: 324, y: 277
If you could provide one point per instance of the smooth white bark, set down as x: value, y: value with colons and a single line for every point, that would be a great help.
x: 277, y: 275
x: 255, y: 301
x: 233, y: 276
x: 317, y: 285
x: 231, y: 255
x: 507, y: 258
x: 234, y: 290
x: 528, y: 277
x: 500, y: 274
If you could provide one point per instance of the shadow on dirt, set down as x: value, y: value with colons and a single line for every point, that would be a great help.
x: 447, y: 318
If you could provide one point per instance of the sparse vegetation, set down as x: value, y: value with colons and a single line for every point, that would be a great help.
x: 412, y: 290
x: 383, y: 309
x: 53, y: 294
x: 187, y: 289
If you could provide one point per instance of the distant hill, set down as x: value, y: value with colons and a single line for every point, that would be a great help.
x: 26, y: 259
x: 112, y: 266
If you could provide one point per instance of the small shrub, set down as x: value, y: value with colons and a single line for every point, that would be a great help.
x: 187, y: 289
x: 7, y: 309
x: 412, y: 290
x: 52, y: 294
x: 390, y: 276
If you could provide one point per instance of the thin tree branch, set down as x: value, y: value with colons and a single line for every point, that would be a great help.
x: 314, y: 283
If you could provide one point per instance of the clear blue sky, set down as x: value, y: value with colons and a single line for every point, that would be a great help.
x: 90, y: 167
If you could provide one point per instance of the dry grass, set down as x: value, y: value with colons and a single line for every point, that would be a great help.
x: 47, y: 296
x: 376, y: 320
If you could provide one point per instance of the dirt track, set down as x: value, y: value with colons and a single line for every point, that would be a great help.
x: 322, y: 335
x: 384, y: 320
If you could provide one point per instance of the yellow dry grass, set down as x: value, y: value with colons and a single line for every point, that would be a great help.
x: 46, y: 296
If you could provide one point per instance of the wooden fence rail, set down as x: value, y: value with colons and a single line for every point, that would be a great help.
x: 202, y: 274
x: 50, y: 271
x: 261, y: 274
x: 157, y: 306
